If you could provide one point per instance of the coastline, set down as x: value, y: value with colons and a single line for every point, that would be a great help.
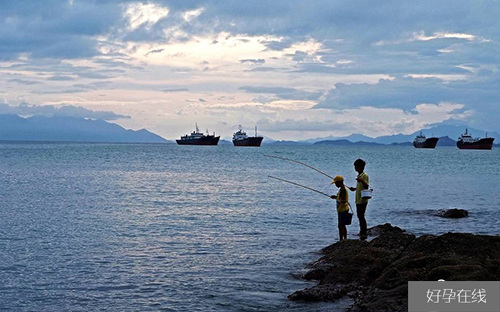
x: 375, y: 273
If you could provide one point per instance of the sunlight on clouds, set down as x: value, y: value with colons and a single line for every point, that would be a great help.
x: 221, y: 49
x: 431, y: 109
x: 420, y: 36
x: 221, y: 52
x: 275, y: 105
x: 139, y: 14
x: 310, y: 46
x: 448, y: 50
x: 445, y: 78
x: 190, y: 15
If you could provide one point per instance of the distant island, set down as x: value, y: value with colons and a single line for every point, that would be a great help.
x: 70, y: 129
x: 445, y: 133
x: 345, y: 142
x: 443, y: 141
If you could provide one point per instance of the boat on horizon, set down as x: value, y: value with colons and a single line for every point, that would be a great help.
x: 198, y: 138
x: 240, y: 138
x: 466, y: 141
x: 422, y: 142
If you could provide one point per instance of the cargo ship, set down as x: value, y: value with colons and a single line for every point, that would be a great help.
x: 198, y: 138
x: 466, y: 141
x: 240, y: 138
x: 422, y: 142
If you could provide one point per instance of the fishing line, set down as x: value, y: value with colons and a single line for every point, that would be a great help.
x: 306, y: 187
x: 301, y: 163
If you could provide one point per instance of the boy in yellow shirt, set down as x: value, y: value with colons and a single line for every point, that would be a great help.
x: 342, y: 199
x: 361, y: 203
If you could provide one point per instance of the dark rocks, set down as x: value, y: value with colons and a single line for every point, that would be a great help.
x: 386, y: 228
x: 454, y: 213
x: 376, y: 274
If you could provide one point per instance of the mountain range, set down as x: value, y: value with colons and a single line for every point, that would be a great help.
x: 70, y: 129
x: 448, y: 135
x: 78, y: 129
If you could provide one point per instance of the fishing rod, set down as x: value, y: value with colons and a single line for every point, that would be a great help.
x: 306, y: 187
x: 301, y: 163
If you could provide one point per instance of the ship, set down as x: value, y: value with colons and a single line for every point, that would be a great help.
x: 466, y: 141
x: 198, y: 138
x: 240, y: 138
x: 422, y: 142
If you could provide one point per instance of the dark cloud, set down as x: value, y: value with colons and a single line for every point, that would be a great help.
x: 55, y: 29
x: 155, y: 51
x: 51, y: 110
x: 278, y: 45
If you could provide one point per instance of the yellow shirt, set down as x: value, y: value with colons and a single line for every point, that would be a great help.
x: 360, y: 187
x: 342, y: 195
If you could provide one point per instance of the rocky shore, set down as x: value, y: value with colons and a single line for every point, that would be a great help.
x: 375, y: 273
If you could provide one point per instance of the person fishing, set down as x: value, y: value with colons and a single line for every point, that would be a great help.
x: 342, y: 199
x: 363, y: 183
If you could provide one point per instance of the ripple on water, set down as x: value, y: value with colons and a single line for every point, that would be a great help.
x: 107, y: 227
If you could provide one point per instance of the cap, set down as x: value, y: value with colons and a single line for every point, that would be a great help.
x: 337, y: 179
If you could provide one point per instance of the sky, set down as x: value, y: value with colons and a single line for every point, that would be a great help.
x: 295, y: 69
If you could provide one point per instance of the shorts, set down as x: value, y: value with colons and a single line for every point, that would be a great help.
x: 345, y: 218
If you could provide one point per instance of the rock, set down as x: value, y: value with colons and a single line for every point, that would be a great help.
x: 383, y: 228
x: 454, y: 213
x: 376, y: 273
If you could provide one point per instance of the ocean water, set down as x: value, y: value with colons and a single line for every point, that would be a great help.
x: 132, y: 227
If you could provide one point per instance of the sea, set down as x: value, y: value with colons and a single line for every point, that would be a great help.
x: 162, y: 227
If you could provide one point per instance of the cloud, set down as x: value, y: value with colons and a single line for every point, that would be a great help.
x: 171, y: 90
x: 407, y: 92
x: 76, y: 31
x: 24, y: 81
x: 253, y: 61
x: 64, y: 110
x: 327, y: 53
x: 309, y: 125
x: 61, y: 91
x: 284, y: 93
x: 278, y: 45
x: 61, y: 78
x: 55, y: 29
x: 155, y: 51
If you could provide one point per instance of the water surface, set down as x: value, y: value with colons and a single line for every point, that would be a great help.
x: 146, y: 227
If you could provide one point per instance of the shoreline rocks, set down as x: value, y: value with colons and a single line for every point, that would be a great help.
x: 375, y: 274
x: 454, y: 213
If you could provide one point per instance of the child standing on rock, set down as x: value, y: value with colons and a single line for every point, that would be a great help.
x: 342, y: 199
x: 361, y: 203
